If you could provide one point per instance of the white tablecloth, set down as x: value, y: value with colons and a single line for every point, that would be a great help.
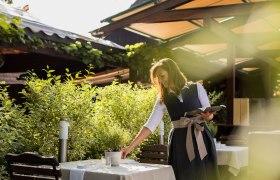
x: 126, y: 171
x: 233, y: 156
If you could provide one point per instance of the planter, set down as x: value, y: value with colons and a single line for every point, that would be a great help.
x: 114, y: 156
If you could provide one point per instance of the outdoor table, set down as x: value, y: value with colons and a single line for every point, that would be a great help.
x: 235, y: 157
x: 127, y: 170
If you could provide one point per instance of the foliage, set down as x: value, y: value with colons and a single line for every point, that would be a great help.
x: 50, y: 100
x: 12, y: 33
x: 126, y: 106
x: 12, y: 122
x: 115, y: 138
x: 213, y: 128
x: 140, y: 56
x: 214, y: 98
x: 85, y: 51
x: 218, y: 98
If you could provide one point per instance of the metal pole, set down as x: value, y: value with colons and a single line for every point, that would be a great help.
x: 63, y: 136
x: 161, y: 132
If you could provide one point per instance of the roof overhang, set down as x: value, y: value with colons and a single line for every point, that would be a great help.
x: 254, y: 26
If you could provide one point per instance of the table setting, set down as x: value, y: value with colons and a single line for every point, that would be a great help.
x: 128, y: 169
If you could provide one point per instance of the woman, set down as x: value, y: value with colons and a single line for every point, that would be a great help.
x: 192, y: 151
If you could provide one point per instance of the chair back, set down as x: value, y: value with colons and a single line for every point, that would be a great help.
x: 154, y: 154
x: 28, y: 165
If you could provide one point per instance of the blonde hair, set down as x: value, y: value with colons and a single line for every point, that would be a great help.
x: 175, y: 77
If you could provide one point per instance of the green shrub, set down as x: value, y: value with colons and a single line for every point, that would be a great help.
x: 126, y: 106
x: 12, y: 123
x: 50, y: 100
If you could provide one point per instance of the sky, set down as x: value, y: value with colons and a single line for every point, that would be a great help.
x: 78, y: 16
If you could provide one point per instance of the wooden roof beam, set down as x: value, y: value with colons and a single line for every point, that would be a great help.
x: 241, y: 54
x: 208, y: 37
x: 165, y: 5
x: 44, y: 51
x: 229, y: 24
x: 257, y: 8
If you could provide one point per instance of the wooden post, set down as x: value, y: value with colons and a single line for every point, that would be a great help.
x: 230, y: 90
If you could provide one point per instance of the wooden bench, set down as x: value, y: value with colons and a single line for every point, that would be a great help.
x: 28, y: 165
x: 154, y: 154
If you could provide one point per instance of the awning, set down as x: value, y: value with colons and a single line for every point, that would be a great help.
x: 202, y: 25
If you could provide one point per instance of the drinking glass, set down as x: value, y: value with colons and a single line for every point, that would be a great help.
x: 103, y: 161
x: 108, y: 162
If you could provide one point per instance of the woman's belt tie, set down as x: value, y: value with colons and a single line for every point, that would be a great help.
x: 187, y: 122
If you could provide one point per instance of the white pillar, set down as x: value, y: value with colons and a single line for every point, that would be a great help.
x: 63, y: 137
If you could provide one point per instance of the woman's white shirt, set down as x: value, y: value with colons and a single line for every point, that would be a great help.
x: 160, y: 108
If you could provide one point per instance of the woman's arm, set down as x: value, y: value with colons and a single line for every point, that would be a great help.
x: 149, y: 127
x: 143, y: 133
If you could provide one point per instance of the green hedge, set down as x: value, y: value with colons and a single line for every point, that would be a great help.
x: 12, y: 125
x: 126, y: 106
x: 48, y: 101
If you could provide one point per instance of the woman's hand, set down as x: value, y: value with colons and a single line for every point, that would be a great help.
x: 143, y: 133
x: 206, y: 116
x: 125, y: 152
